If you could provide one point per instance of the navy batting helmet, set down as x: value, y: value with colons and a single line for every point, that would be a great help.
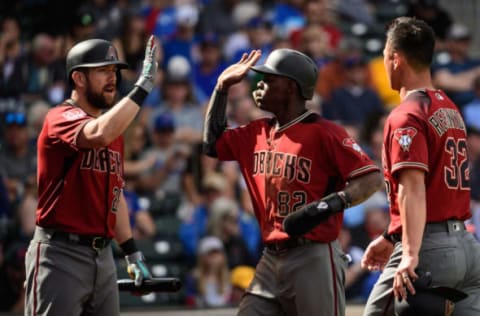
x: 429, y: 300
x: 92, y: 53
x: 294, y: 65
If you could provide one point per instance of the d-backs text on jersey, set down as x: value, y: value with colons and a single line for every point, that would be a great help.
x: 285, y: 165
x: 97, y: 160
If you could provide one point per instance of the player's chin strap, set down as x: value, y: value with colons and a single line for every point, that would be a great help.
x: 215, y: 122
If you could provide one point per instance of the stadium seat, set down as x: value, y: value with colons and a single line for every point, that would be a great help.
x: 167, y: 225
x: 160, y: 249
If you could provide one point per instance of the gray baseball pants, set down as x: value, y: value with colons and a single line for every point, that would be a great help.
x: 452, y: 257
x: 304, y: 281
x: 69, y: 279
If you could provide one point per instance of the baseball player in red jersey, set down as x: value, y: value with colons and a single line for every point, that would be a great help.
x: 296, y: 161
x: 69, y: 264
x: 425, y: 161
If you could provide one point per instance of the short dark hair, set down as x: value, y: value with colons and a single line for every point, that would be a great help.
x: 414, y: 38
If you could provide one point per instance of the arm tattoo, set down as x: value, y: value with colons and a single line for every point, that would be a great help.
x: 215, y: 122
x: 361, y: 188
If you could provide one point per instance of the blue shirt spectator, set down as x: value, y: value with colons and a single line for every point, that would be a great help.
x: 452, y: 70
x: 287, y: 18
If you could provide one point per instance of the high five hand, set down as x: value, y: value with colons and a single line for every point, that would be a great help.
x: 236, y: 72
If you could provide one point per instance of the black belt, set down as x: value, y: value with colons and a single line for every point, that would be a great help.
x: 96, y: 242
x: 449, y: 226
x: 282, y: 246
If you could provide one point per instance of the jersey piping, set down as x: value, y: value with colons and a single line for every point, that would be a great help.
x: 293, y: 122
x: 402, y: 165
x: 362, y: 170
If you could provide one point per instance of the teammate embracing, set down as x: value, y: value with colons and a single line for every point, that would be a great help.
x: 425, y: 161
x: 70, y: 268
x: 296, y: 162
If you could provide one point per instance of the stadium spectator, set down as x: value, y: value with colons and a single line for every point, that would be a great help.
x: 163, y: 180
x: 180, y: 101
x: 182, y: 42
x: 319, y: 13
x: 431, y: 12
x: 11, y: 51
x: 42, y: 74
x: 356, y: 11
x: 141, y: 221
x: 217, y: 17
x: 287, y: 17
x: 260, y: 36
x: 314, y: 43
x: 371, y: 136
x: 35, y: 117
x: 333, y: 74
x: 455, y: 71
x: 471, y: 110
x: 83, y: 27
x: 208, y: 67
x: 160, y: 18
x: 224, y: 222
x: 354, y: 101
x: 18, y: 156
x: 473, y: 143
x: 209, y: 283
x: 194, y: 225
x: 131, y: 48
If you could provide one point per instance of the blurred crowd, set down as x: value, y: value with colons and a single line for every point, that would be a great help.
x: 189, y: 210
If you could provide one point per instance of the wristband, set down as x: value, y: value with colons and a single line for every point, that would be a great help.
x: 128, y: 247
x: 347, y: 201
x: 388, y: 237
x: 137, y: 95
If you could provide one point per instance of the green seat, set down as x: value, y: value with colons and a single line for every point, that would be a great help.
x: 167, y: 204
x: 167, y: 225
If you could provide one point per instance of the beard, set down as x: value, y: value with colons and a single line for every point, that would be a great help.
x: 97, y: 99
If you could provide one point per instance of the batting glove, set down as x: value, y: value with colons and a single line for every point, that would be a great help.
x: 146, y: 81
x: 310, y: 215
x: 137, y: 269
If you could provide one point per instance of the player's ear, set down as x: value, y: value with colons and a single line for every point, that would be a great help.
x: 397, y: 60
x: 78, y: 77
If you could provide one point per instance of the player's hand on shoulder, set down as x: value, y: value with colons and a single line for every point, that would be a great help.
x: 236, y: 72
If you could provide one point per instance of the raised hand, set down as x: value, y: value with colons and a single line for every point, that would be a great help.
x: 146, y: 81
x: 236, y: 72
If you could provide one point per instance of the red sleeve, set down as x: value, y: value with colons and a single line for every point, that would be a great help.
x: 234, y: 142
x: 407, y: 142
x: 348, y: 156
x: 65, y: 123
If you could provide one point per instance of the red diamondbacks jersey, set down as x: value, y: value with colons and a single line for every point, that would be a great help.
x: 426, y: 131
x: 75, y: 192
x: 290, y: 166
